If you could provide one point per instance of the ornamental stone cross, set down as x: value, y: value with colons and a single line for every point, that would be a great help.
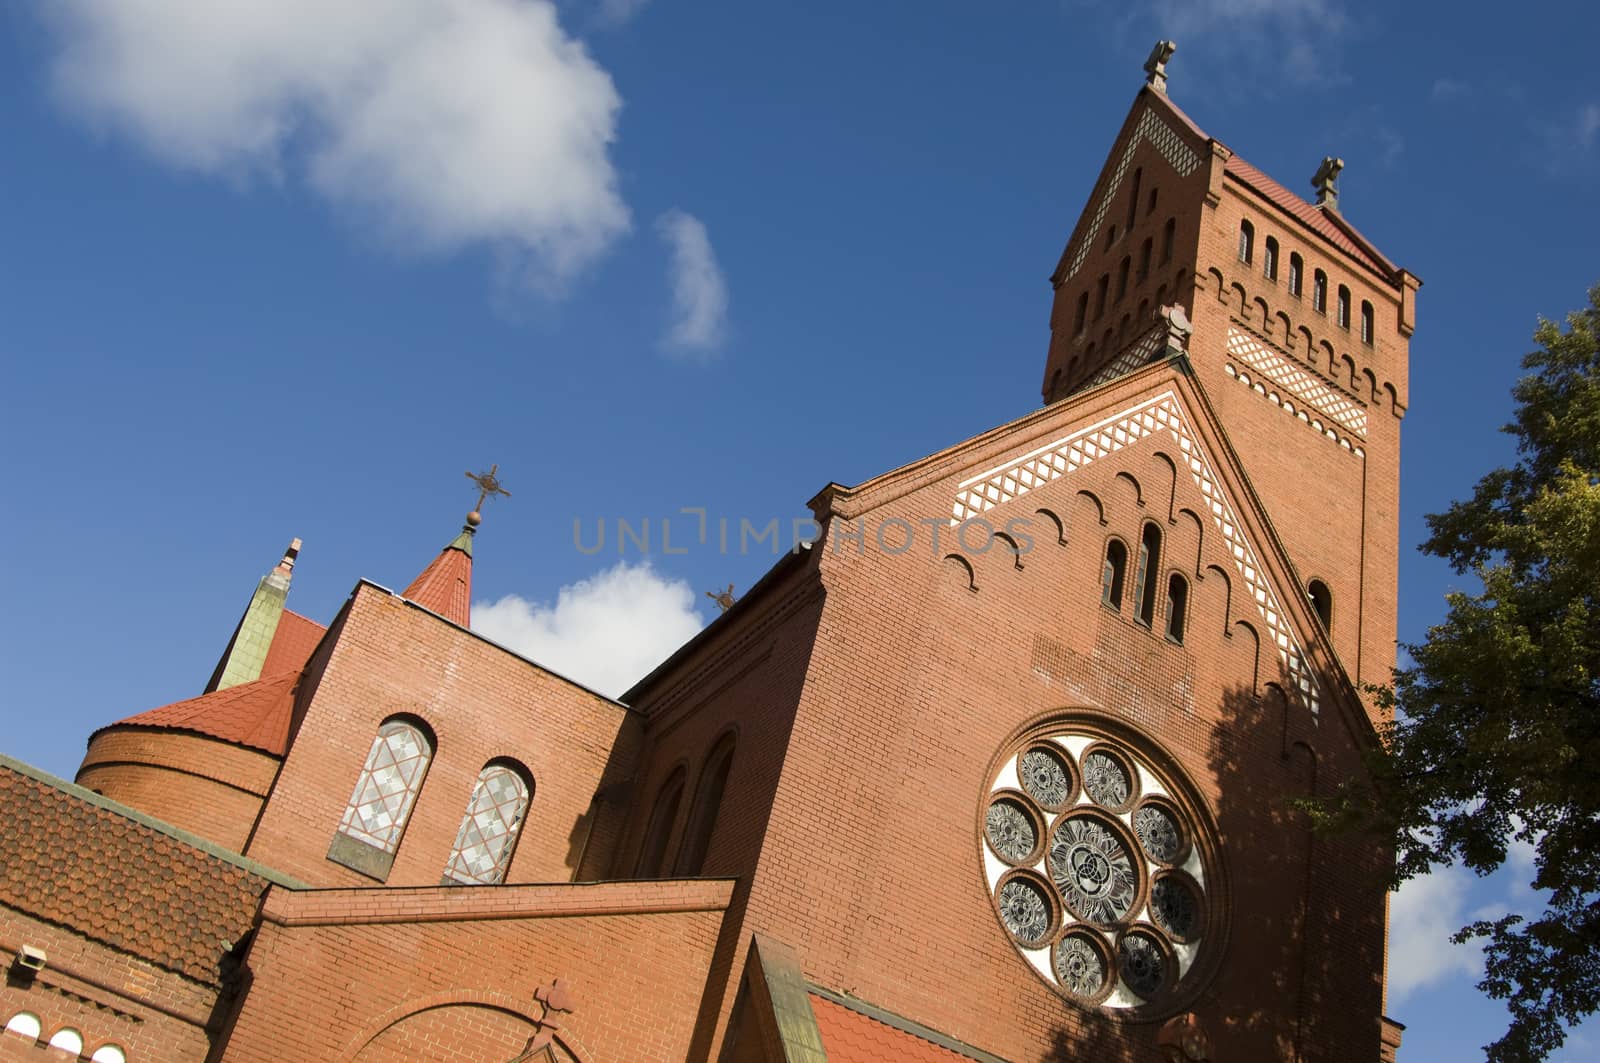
x: 1326, y: 181
x: 1155, y: 67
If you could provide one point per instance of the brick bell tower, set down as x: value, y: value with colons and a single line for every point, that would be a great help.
x: 1301, y: 328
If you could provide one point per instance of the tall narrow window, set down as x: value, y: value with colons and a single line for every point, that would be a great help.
x: 1133, y: 201
x: 1247, y: 242
x: 653, y: 853
x: 1082, y: 316
x: 380, y: 805
x: 1269, y: 260
x: 1144, y: 582
x: 1111, y: 574
x: 1167, y: 237
x: 1366, y: 322
x: 1144, y: 258
x: 1177, y: 606
x: 1150, y: 208
x: 1319, y: 292
x: 707, y: 803
x: 488, y: 834
x: 1111, y: 237
x: 1122, y: 279
x: 1161, y: 297
x: 1297, y: 268
x: 1100, y: 290
x: 1344, y: 307
x: 1322, y: 602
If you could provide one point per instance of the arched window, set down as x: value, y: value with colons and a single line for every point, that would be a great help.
x: 1111, y: 237
x: 1161, y: 297
x: 1133, y: 200
x: 1111, y: 574
x: 387, y: 787
x: 1319, y: 292
x: 1177, y: 606
x: 1366, y: 321
x: 108, y: 1054
x: 1144, y: 258
x: 1082, y: 316
x: 1122, y: 329
x: 703, y: 814
x: 68, y: 1040
x: 1122, y: 278
x: 653, y: 853
x: 1344, y: 307
x: 1269, y: 260
x: 24, y: 1024
x: 1297, y: 268
x: 1150, y: 208
x: 1247, y: 242
x: 1100, y: 290
x: 1144, y: 582
x: 1167, y: 236
x: 488, y: 834
x: 1322, y: 602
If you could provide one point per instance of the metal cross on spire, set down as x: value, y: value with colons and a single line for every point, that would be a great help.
x: 488, y: 486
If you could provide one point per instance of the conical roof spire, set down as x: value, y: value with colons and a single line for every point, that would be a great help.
x: 445, y: 586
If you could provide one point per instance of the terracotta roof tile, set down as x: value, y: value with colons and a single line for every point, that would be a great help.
x: 445, y: 586
x: 292, y: 643
x: 851, y: 1037
x: 117, y: 881
x: 252, y: 714
x: 1309, y: 213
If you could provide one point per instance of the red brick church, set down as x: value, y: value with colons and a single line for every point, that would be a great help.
x: 1025, y: 795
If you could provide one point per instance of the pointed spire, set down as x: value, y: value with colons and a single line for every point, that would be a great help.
x: 247, y: 651
x: 445, y: 586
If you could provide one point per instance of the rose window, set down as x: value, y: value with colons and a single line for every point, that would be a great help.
x: 1096, y: 871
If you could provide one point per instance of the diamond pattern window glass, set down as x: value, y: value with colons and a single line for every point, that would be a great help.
x: 387, y: 787
x: 488, y: 833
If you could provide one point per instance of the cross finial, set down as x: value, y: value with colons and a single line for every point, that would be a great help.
x: 488, y: 486
x: 1326, y: 182
x: 724, y: 599
x: 1155, y: 67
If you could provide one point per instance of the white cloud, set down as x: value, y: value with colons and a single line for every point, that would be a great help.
x: 699, y: 292
x: 616, y: 12
x: 606, y: 631
x: 440, y: 123
x: 1295, y: 39
x: 1423, y: 913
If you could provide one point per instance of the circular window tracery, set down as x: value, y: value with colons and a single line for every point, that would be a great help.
x: 1097, y: 871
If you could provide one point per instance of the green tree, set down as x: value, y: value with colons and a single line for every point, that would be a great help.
x: 1498, y: 730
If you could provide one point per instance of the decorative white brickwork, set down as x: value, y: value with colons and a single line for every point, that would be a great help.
x: 1164, y: 416
x: 1281, y: 373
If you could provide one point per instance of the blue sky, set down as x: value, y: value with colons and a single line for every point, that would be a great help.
x: 290, y: 274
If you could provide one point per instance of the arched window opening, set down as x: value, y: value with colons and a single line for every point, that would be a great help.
x: 1344, y: 307
x: 1321, y: 603
x: 1122, y: 329
x: 1100, y: 290
x: 1319, y: 292
x: 1161, y: 297
x: 1269, y: 259
x: 488, y: 835
x: 68, y: 1040
x: 1122, y: 278
x: 1177, y: 606
x: 1247, y: 242
x: 1145, y: 250
x: 108, y: 1054
x: 1144, y: 582
x: 1082, y: 316
x: 1150, y: 208
x: 1111, y: 574
x: 1297, y: 268
x: 375, y: 818
x: 1111, y: 237
x: 653, y: 853
x: 1366, y: 322
x: 1168, y: 235
x: 24, y: 1024
x: 1133, y: 200
x: 703, y: 814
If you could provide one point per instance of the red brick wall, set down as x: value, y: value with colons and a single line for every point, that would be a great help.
x: 481, y: 702
x: 378, y: 974
x: 202, y: 785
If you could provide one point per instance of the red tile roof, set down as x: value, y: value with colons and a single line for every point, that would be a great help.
x: 851, y: 1037
x: 252, y: 714
x: 1312, y: 215
x: 445, y: 586
x: 292, y: 643
x: 74, y: 860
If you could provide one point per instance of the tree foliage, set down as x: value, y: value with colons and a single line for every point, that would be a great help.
x: 1497, y: 736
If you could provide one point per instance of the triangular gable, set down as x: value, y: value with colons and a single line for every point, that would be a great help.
x: 1161, y: 415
